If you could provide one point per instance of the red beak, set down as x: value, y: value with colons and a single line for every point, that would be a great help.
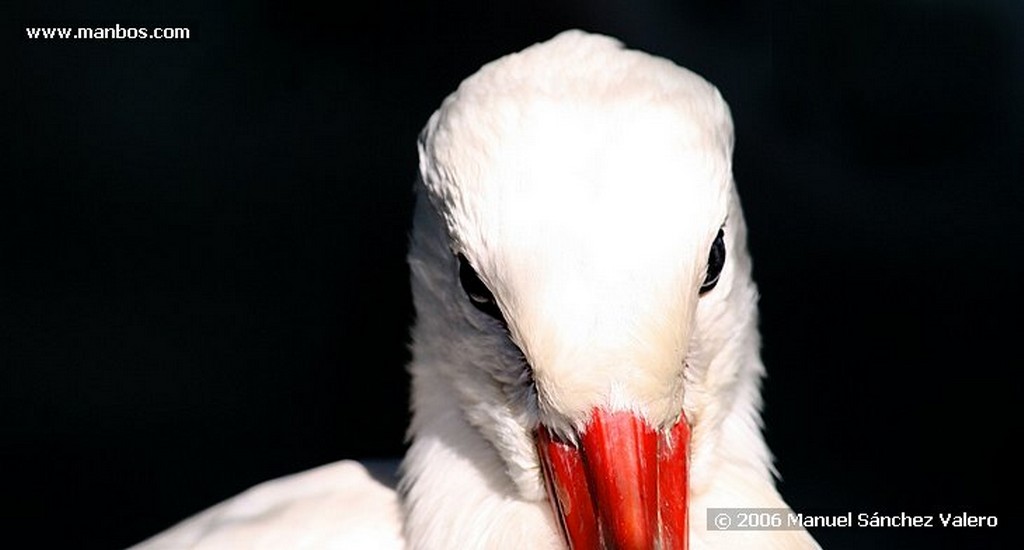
x: 624, y: 487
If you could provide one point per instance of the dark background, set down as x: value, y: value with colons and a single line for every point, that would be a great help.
x: 203, y: 244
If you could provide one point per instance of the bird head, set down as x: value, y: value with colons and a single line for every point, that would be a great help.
x: 581, y: 279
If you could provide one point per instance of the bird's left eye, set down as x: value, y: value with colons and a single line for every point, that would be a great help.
x: 479, y: 295
x: 716, y: 259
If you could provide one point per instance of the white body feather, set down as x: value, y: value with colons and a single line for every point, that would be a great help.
x: 585, y: 183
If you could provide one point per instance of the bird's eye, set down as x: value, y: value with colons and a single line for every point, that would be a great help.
x: 479, y: 295
x: 716, y: 259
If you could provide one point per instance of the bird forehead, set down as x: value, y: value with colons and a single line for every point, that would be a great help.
x: 544, y: 148
x: 600, y: 190
x: 598, y: 167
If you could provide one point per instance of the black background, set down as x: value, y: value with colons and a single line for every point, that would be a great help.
x: 203, y: 244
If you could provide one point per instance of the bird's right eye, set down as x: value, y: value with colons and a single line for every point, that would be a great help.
x: 479, y: 295
x: 716, y: 260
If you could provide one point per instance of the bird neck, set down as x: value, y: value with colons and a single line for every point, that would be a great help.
x: 456, y: 491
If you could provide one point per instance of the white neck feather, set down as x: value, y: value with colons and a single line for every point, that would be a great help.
x: 457, y: 490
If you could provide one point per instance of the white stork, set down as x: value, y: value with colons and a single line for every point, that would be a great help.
x: 585, y: 356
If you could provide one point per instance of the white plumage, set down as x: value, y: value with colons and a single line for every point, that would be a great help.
x: 585, y: 184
